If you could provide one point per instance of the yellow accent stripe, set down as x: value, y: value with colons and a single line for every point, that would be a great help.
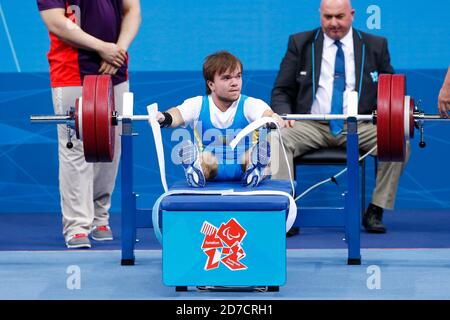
x: 199, y: 140
x: 255, y: 137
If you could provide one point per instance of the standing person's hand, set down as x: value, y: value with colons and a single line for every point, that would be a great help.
x: 107, y: 68
x: 444, y: 97
x: 113, y: 54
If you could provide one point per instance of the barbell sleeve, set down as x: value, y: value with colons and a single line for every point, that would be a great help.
x: 58, y: 119
x: 429, y: 117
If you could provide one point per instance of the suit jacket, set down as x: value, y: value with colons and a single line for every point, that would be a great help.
x: 295, y: 87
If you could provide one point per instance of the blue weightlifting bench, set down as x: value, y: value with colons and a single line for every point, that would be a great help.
x: 201, y: 233
x: 190, y: 217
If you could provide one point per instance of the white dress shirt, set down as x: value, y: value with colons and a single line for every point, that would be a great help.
x: 322, y: 101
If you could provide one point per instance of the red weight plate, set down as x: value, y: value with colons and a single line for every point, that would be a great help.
x: 76, y: 115
x: 411, y: 118
x: 88, y: 118
x: 104, y: 107
x: 384, y: 117
x: 398, y: 143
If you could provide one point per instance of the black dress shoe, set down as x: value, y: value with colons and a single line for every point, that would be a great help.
x: 292, y: 232
x: 372, y: 219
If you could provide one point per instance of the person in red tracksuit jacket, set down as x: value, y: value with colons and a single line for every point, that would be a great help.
x: 87, y: 38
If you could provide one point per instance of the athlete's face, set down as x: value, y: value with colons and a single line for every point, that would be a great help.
x: 227, y: 86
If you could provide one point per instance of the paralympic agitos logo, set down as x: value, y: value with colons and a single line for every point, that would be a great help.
x: 223, y: 244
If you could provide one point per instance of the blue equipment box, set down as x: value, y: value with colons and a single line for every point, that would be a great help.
x: 211, y: 240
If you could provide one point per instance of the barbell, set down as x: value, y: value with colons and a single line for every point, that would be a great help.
x: 94, y: 118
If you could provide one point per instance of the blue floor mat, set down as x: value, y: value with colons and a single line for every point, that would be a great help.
x: 406, y: 229
x: 311, y: 274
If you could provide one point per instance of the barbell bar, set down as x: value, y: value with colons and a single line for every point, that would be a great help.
x: 61, y: 119
x: 93, y: 118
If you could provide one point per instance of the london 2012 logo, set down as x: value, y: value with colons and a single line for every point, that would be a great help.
x: 224, y: 245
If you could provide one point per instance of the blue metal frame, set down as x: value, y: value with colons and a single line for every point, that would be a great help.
x: 352, y: 212
x: 132, y: 218
x: 347, y: 217
x: 128, y: 197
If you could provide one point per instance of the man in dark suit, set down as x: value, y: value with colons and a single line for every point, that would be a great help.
x: 319, y: 70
